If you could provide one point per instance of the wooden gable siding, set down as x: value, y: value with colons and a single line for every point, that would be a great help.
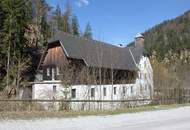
x: 55, y: 57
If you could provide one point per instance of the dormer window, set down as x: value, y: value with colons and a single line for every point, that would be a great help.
x: 48, y: 71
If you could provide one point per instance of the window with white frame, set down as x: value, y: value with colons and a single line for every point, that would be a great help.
x: 141, y: 88
x: 54, y: 88
x: 92, y: 91
x: 114, y: 90
x: 57, y: 70
x: 131, y: 89
x: 48, y: 71
x: 53, y: 73
x: 124, y: 90
x: 104, y: 91
x: 141, y: 75
x: 73, y: 93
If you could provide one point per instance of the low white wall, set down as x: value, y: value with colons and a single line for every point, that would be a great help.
x: 44, y: 90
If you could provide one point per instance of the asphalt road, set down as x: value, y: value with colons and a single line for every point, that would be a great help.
x: 173, y: 119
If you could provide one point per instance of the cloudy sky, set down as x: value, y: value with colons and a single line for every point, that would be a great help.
x: 117, y: 21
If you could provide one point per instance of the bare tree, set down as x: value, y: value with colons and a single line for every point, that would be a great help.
x: 67, y: 78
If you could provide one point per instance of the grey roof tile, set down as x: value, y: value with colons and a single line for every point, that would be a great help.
x: 97, y: 54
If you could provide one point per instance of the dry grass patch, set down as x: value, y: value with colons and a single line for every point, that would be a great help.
x: 64, y: 114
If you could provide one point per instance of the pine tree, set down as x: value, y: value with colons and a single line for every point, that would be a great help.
x: 40, y: 25
x: 18, y: 15
x: 2, y: 49
x: 75, y: 26
x: 88, y: 32
x: 45, y: 29
x: 66, y: 18
x: 58, y: 18
x: 2, y: 16
x: 61, y: 22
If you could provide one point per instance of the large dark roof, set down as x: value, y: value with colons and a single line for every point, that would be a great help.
x: 97, y: 54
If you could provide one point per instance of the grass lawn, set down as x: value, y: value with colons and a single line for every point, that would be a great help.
x: 64, y: 114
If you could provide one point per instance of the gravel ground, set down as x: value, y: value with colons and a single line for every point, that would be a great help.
x: 172, y: 119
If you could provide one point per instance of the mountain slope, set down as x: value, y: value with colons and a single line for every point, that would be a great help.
x: 173, y: 35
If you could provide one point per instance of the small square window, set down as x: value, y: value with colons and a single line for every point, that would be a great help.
x: 73, y: 93
x: 114, y: 90
x: 104, y: 91
x: 54, y: 89
x: 92, y: 92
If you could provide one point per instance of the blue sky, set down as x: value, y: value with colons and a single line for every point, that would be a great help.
x: 117, y: 21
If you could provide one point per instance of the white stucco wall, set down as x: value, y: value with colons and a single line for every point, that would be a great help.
x: 141, y: 89
x: 44, y: 90
x: 145, y: 75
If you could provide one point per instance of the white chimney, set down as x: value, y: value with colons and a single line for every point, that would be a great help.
x: 139, y: 40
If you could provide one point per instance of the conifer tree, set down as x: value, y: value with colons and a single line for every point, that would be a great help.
x: 45, y: 29
x: 66, y: 17
x: 18, y: 15
x: 88, y: 32
x: 58, y: 18
x: 75, y: 26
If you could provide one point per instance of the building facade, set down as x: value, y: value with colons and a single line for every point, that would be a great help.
x: 80, y: 69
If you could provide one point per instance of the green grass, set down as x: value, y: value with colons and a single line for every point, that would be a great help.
x: 66, y: 114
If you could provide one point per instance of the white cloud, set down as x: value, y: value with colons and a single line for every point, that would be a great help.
x: 81, y: 3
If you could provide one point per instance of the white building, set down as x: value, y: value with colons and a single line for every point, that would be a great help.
x: 132, y: 69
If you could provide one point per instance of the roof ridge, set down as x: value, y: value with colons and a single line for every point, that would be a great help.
x: 91, y: 40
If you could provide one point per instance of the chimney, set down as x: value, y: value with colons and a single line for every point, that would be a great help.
x: 139, y: 43
x: 139, y: 40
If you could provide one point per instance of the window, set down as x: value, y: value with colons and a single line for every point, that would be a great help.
x: 53, y: 73
x: 57, y: 70
x: 124, y: 91
x: 104, y: 91
x: 131, y: 89
x: 73, y: 93
x: 54, y: 89
x: 140, y: 75
x: 141, y: 88
x: 145, y: 64
x: 48, y: 72
x: 146, y: 87
x: 114, y: 90
x: 92, y: 92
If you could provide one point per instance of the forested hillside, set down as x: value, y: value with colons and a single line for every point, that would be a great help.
x: 168, y: 45
x: 171, y: 35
